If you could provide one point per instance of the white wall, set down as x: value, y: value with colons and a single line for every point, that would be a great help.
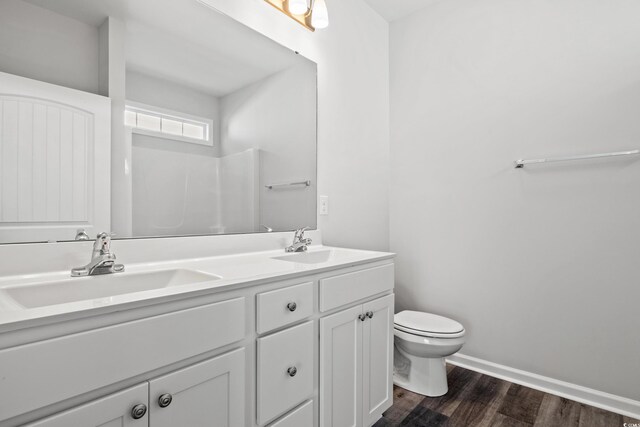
x: 239, y: 194
x: 353, y: 122
x: 541, y: 264
x: 277, y: 115
x: 43, y: 45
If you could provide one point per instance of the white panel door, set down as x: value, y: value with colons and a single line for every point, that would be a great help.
x: 377, y: 359
x: 55, y: 156
x: 114, y: 410
x: 341, y: 369
x: 209, y: 394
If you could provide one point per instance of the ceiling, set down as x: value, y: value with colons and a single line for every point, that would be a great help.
x: 396, y: 9
x: 185, y: 42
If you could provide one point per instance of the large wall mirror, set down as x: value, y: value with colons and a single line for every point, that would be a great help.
x: 150, y: 118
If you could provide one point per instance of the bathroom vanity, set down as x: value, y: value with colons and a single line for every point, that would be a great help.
x: 249, y: 339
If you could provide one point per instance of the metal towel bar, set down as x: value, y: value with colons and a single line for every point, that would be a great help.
x: 521, y: 163
x: 305, y: 183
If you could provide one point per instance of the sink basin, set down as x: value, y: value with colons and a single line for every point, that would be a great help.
x: 316, y: 257
x: 99, y: 287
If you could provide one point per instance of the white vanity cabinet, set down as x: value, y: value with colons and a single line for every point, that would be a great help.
x: 210, y: 393
x: 356, y: 350
x: 68, y: 366
x: 311, y: 350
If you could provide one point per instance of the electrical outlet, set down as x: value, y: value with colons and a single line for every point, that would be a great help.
x: 323, y: 205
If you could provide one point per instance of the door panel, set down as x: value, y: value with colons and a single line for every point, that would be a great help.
x: 111, y: 411
x: 341, y: 369
x: 209, y: 394
x: 377, y: 362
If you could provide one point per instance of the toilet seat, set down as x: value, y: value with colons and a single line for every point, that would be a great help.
x: 427, y: 325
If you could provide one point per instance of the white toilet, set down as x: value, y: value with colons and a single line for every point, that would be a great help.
x: 422, y: 341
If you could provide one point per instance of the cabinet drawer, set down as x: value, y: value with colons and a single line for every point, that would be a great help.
x: 284, y: 306
x: 68, y: 366
x: 299, y: 417
x: 279, y: 387
x: 340, y: 290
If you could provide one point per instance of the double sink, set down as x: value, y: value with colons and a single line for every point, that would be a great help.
x: 110, y: 285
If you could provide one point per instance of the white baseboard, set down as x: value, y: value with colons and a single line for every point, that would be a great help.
x: 589, y: 396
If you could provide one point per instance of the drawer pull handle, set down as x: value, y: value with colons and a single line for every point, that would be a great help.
x: 362, y: 317
x: 292, y: 306
x: 369, y: 314
x: 165, y: 400
x: 138, y: 411
x: 292, y: 371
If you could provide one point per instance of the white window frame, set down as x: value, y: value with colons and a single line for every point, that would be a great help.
x: 173, y: 115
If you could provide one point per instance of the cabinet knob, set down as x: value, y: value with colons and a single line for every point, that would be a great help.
x: 292, y: 371
x: 369, y: 314
x: 138, y: 411
x: 165, y: 400
x: 362, y: 317
x: 292, y: 306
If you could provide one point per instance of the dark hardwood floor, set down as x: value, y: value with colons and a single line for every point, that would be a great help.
x: 479, y: 400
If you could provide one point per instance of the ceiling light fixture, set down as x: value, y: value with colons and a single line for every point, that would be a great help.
x: 298, y: 7
x: 312, y: 14
x: 320, y: 15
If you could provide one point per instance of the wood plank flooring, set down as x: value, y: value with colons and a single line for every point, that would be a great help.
x: 476, y: 400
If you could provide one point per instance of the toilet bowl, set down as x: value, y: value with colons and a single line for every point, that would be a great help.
x: 422, y: 341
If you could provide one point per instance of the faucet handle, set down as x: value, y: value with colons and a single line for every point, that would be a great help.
x: 299, y: 234
x: 103, y: 242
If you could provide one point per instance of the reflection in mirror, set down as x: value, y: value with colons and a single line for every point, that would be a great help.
x: 149, y: 118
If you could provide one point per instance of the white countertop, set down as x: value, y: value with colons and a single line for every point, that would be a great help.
x: 234, y: 271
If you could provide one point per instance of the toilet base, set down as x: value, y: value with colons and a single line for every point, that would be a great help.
x: 422, y: 375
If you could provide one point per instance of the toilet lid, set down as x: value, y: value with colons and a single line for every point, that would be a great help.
x: 420, y: 322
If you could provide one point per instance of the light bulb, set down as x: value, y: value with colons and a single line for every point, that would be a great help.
x: 298, y: 7
x: 320, y: 15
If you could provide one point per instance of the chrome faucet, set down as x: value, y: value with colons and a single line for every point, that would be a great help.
x: 103, y: 261
x: 300, y: 244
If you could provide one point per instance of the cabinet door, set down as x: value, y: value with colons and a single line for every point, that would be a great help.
x: 209, y: 394
x: 341, y: 369
x: 114, y: 410
x: 377, y: 359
